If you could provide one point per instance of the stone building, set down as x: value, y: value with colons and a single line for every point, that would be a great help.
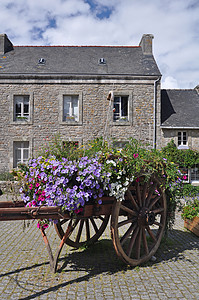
x: 49, y: 89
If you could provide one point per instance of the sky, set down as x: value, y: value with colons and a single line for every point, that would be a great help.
x: 174, y: 24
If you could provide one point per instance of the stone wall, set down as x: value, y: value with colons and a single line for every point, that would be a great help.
x: 46, y: 109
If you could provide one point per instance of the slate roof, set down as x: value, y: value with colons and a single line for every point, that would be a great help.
x: 179, y: 108
x: 78, y: 60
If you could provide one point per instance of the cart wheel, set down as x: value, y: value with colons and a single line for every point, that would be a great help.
x: 138, y: 222
x: 86, y: 231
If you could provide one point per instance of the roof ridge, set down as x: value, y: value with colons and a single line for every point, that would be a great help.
x: 178, y: 89
x: 78, y: 46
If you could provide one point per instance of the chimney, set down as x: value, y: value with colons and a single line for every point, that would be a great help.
x: 146, y: 44
x: 5, y: 44
x: 197, y: 89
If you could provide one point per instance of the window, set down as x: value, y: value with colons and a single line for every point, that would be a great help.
x: 21, y: 108
x: 119, y: 145
x: 70, y: 145
x: 185, y: 174
x: 182, y: 138
x: 21, y: 153
x: 71, y: 108
x: 195, y: 173
x: 120, y: 108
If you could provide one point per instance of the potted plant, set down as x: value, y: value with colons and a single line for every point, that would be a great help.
x: 190, y: 214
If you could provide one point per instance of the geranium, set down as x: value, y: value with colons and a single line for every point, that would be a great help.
x: 191, y: 208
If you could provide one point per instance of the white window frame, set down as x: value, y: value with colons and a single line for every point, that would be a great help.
x: 118, y: 117
x: 72, y: 100
x: 21, y: 121
x: 22, y: 146
x: 21, y: 116
x: 195, y: 171
x: 123, y: 120
x: 71, y: 118
x: 182, y: 138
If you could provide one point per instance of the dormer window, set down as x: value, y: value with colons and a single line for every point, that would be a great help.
x: 102, y: 61
x: 41, y: 61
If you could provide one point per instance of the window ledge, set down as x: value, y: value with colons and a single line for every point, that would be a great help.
x: 21, y: 122
x: 121, y: 123
x: 183, y: 147
x: 70, y: 123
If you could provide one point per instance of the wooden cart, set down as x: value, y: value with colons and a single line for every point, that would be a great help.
x: 137, y: 222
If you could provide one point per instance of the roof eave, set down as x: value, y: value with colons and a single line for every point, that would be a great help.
x: 179, y: 127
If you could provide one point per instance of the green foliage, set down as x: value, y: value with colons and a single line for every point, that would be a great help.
x: 6, y: 176
x: 59, y: 148
x: 184, y: 158
x: 190, y: 190
x: 191, y: 209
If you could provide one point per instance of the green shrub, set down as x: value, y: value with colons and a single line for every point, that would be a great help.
x: 6, y: 176
x: 190, y: 190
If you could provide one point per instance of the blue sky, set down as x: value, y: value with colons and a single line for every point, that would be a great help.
x: 174, y: 24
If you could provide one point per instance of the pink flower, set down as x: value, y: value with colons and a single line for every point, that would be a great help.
x: 137, y: 179
x: 40, y: 198
x: 44, y: 226
x: 43, y: 193
x: 184, y: 177
x: 34, y: 202
x: 30, y: 187
x: 135, y: 155
x: 37, y: 184
x: 77, y: 211
x: 157, y: 192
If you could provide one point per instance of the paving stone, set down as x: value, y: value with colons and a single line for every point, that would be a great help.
x: 97, y: 273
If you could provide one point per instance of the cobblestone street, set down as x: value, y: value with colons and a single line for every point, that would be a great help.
x: 96, y: 272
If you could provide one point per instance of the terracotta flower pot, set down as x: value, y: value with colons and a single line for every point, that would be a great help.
x: 192, y: 225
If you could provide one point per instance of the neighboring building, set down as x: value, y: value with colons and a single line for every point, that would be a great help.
x: 180, y: 122
x: 180, y: 118
x: 49, y: 89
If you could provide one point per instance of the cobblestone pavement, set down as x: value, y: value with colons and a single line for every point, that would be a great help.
x: 96, y: 272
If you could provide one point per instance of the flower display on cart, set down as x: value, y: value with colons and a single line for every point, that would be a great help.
x: 87, y: 174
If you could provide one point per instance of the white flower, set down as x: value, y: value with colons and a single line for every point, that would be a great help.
x: 111, y: 162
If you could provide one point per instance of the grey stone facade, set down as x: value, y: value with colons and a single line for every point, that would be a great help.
x: 46, y: 111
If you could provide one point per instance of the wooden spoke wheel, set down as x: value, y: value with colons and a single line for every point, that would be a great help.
x: 138, y: 222
x: 85, y: 230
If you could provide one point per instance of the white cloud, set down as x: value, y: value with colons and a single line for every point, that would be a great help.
x: 174, y: 24
x: 169, y: 83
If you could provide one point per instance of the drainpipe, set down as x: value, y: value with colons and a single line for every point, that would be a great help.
x: 154, y: 112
